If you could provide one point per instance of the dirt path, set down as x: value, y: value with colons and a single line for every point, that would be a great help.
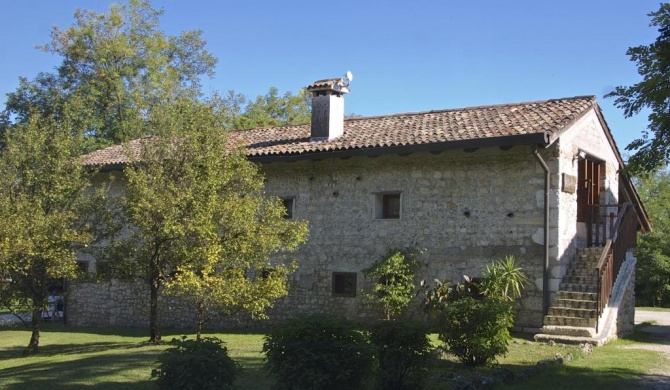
x: 659, y: 378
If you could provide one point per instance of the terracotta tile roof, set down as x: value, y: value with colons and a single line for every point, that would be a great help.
x: 548, y: 118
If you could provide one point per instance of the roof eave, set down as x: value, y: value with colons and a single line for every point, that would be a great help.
x: 540, y: 139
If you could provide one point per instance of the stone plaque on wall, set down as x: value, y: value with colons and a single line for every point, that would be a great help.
x: 569, y: 183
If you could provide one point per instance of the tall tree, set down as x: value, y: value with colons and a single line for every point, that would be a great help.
x: 652, y: 150
x: 270, y: 109
x: 44, y: 212
x: 200, y: 219
x: 653, y: 249
x: 121, y: 64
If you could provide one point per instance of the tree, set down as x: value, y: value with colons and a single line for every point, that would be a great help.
x: 201, y: 224
x: 652, y: 150
x: 393, y: 280
x: 271, y: 109
x: 653, y: 249
x: 121, y: 65
x: 44, y: 210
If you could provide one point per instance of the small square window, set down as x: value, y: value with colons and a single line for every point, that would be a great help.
x: 344, y: 284
x: 387, y: 205
x: 289, y: 204
x: 82, y: 266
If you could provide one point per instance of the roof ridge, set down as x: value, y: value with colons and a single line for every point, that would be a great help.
x: 454, y: 127
x: 438, y: 111
x: 468, y: 108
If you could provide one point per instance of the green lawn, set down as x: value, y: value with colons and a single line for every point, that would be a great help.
x: 652, y: 308
x: 115, y: 358
x: 609, y: 367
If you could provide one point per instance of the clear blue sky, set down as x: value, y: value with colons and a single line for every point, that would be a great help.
x: 411, y: 55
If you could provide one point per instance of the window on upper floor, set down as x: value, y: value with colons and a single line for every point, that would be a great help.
x: 388, y: 205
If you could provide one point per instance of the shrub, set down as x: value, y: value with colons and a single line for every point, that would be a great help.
x: 444, y: 292
x: 196, y: 364
x: 319, y: 351
x: 476, y: 331
x: 393, y: 280
x: 402, y: 349
x: 504, y: 280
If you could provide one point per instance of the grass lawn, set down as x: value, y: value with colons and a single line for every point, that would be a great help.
x: 116, y: 358
x: 609, y: 367
x: 645, y: 308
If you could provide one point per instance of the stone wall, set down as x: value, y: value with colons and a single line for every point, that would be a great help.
x: 126, y: 303
x: 464, y: 209
x: 618, y: 318
x: 626, y: 311
x: 586, y: 135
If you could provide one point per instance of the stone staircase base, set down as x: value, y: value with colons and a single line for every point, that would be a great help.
x: 609, y: 322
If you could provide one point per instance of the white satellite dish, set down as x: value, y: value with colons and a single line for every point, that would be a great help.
x: 349, y: 76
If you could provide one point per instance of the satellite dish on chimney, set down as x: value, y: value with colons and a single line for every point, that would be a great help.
x: 347, y: 78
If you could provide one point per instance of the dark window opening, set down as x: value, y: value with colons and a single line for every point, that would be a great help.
x: 288, y: 205
x: 344, y: 284
x: 391, y: 206
x: 82, y: 266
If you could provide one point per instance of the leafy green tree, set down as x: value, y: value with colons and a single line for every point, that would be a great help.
x: 393, y: 280
x: 121, y: 65
x: 202, y: 225
x: 45, y: 209
x: 653, y: 249
x: 271, y: 110
x: 652, y: 150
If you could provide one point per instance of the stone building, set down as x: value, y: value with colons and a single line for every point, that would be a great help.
x: 538, y: 180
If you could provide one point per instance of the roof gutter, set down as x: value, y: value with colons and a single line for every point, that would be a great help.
x: 545, y: 274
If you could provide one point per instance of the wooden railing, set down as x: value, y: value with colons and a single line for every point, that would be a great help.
x: 622, y: 233
x: 600, y: 220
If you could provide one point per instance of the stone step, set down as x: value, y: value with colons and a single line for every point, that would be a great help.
x: 569, y: 321
x: 571, y: 312
x: 582, y: 266
x: 572, y: 279
x: 578, y: 287
x: 565, y: 339
x: 582, y: 271
x: 577, y: 295
x: 575, y: 304
x: 590, y: 250
x: 571, y: 331
x: 593, y: 257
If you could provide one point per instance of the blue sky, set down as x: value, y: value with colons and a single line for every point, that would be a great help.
x: 411, y: 55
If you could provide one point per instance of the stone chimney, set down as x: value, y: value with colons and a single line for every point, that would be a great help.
x: 328, y: 107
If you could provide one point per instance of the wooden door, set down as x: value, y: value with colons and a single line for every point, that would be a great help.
x: 588, y: 186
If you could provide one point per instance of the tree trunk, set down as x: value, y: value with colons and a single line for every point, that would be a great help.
x: 201, y: 321
x: 155, y: 335
x: 33, y: 346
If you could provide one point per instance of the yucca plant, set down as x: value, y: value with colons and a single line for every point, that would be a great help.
x: 504, y: 279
